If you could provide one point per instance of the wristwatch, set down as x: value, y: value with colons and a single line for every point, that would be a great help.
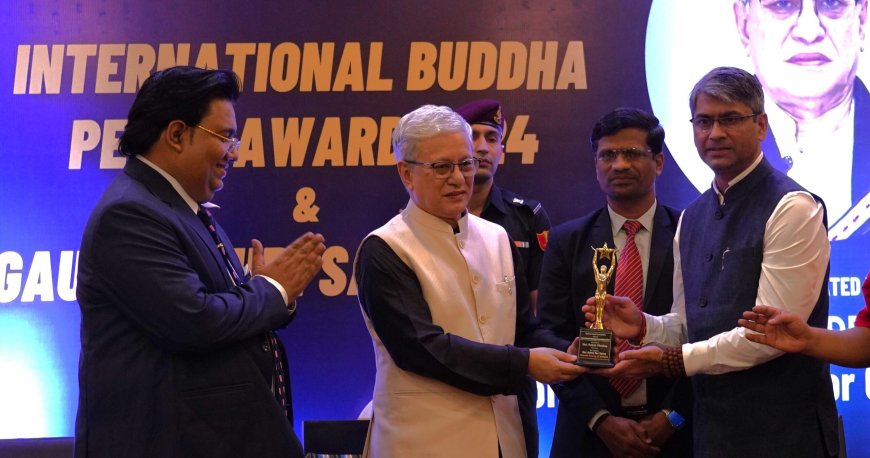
x: 676, y: 420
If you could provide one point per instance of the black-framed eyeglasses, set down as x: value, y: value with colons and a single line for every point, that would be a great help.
x: 233, y: 143
x: 705, y: 123
x: 443, y: 169
x: 608, y: 156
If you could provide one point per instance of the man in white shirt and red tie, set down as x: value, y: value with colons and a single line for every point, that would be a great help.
x: 598, y: 418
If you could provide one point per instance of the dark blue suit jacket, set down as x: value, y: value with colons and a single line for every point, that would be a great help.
x: 175, y: 360
x: 567, y: 281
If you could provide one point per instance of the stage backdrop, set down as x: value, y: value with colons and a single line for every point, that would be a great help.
x: 323, y: 85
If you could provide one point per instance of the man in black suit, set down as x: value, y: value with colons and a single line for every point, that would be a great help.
x: 594, y: 419
x: 178, y: 355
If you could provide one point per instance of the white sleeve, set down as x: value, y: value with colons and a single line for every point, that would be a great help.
x: 670, y: 329
x: 794, y: 261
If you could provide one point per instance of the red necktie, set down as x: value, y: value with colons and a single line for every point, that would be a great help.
x: 280, y: 387
x: 629, y: 283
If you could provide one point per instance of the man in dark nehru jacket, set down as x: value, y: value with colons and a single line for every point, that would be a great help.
x: 525, y: 221
x: 598, y: 418
x: 754, y: 237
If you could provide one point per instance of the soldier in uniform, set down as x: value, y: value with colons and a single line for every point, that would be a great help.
x: 523, y: 219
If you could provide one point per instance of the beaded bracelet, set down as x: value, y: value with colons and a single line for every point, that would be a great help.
x: 672, y: 362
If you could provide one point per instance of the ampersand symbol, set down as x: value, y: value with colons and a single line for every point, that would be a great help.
x: 305, y: 210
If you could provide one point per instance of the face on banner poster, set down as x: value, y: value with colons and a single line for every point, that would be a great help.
x: 323, y: 85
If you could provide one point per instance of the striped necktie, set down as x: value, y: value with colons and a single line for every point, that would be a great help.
x: 279, y: 382
x: 629, y: 283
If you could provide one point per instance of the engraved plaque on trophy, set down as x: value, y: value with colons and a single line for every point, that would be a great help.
x: 596, y: 343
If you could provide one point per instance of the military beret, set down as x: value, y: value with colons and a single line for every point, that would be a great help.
x: 483, y: 111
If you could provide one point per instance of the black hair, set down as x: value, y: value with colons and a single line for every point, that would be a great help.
x: 176, y: 93
x: 626, y: 118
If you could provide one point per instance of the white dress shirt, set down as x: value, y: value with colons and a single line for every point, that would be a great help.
x: 794, y: 261
x: 643, y: 240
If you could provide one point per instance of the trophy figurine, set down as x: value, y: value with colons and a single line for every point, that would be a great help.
x: 596, y: 343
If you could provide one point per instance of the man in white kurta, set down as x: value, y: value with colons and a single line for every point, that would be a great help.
x: 439, y: 294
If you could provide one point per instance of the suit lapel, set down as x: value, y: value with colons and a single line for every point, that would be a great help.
x: 231, y: 252
x: 595, y: 233
x: 661, y: 241
x: 164, y: 191
x: 204, y: 236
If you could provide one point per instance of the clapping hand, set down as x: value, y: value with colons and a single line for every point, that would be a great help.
x: 294, y: 266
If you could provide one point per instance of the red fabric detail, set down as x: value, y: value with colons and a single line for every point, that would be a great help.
x: 629, y: 283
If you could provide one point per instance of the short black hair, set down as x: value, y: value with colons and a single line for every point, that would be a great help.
x: 176, y: 93
x: 627, y: 118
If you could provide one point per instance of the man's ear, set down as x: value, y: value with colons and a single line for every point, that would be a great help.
x: 173, y: 135
x: 741, y: 19
x: 660, y: 162
x: 405, y: 175
x: 762, y: 126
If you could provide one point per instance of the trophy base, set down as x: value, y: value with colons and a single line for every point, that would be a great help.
x: 596, y: 348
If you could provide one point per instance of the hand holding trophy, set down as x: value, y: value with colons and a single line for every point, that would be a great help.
x: 596, y: 343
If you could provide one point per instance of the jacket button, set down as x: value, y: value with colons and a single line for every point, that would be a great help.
x: 703, y: 302
x: 265, y: 347
x: 709, y: 257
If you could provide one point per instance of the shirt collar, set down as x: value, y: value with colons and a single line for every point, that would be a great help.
x: 433, y: 222
x: 194, y: 206
x: 737, y: 179
x: 495, y: 199
x: 646, y: 220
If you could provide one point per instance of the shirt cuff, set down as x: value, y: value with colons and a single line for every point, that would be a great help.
x: 594, y: 419
x: 655, y: 329
x: 693, y: 365
x: 280, y: 290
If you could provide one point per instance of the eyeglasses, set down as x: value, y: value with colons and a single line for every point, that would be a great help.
x: 443, y: 169
x: 608, y: 156
x: 785, y: 9
x: 233, y: 143
x: 705, y: 123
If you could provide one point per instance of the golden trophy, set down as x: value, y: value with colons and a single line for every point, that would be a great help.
x: 596, y: 343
